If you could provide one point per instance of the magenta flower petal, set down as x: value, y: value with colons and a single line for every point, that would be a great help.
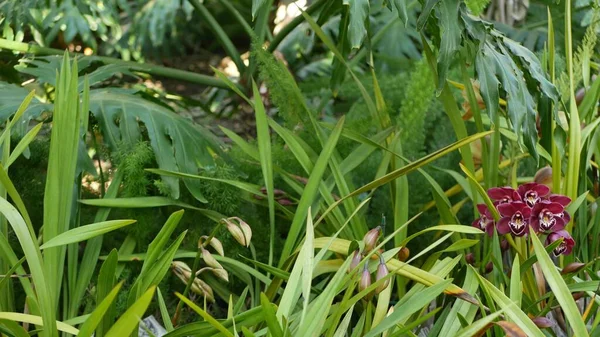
x: 561, y: 199
x: 517, y: 216
x: 532, y: 193
x: 566, y: 246
x: 547, y: 216
x: 485, y: 222
x: 502, y: 226
x: 503, y: 195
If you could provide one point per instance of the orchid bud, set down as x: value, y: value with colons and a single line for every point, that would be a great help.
x: 542, y: 322
x: 504, y: 245
x: 365, y: 279
x: 544, y: 176
x: 572, y: 267
x: 370, y: 239
x: 356, y: 257
x: 246, y: 230
x: 183, y: 272
x: 403, y: 254
x: 285, y: 202
x: 470, y: 258
x: 221, y: 273
x: 210, y: 260
x: 489, y: 267
x: 240, y: 231
x: 214, y: 243
x: 382, y: 272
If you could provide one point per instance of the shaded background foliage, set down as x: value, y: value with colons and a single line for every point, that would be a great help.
x: 160, y: 31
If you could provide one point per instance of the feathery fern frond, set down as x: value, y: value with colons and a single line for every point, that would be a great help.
x: 584, y: 52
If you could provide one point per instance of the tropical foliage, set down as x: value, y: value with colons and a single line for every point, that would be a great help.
x: 333, y: 168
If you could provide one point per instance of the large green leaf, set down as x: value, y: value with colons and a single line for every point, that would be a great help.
x: 498, y: 60
x: 83, y: 233
x: 178, y: 144
x: 450, y: 37
x: 559, y: 289
x: 359, y: 11
x: 11, y: 97
x: 44, y: 68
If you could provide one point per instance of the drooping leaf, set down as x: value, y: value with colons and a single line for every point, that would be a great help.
x: 451, y: 35
x: 359, y: 11
x: 402, y: 10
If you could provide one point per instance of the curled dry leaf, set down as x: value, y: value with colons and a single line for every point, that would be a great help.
x: 511, y: 329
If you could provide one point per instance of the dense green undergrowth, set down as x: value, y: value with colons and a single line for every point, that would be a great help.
x: 407, y: 170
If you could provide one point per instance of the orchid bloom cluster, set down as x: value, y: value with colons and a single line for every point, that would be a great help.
x: 531, y: 205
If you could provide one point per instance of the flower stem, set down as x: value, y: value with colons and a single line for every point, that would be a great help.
x: 194, y: 270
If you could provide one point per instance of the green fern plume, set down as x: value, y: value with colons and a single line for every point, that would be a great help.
x: 132, y: 163
x: 476, y: 6
x: 584, y: 52
x: 416, y: 102
x: 283, y: 90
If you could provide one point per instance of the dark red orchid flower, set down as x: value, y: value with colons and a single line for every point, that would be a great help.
x: 532, y: 193
x: 559, y: 198
x: 503, y: 195
x: 566, y: 246
x: 515, y: 218
x: 564, y: 201
x: 547, y: 216
x: 485, y: 221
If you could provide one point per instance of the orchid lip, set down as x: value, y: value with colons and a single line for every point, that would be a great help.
x: 483, y: 222
x: 562, y: 247
x: 531, y: 198
x: 547, y: 220
x: 517, y: 223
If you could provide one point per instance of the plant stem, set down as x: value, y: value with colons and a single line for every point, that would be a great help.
x: 133, y: 66
x: 572, y: 175
x: 287, y: 29
x: 240, y: 19
x: 194, y: 270
x: 220, y: 34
